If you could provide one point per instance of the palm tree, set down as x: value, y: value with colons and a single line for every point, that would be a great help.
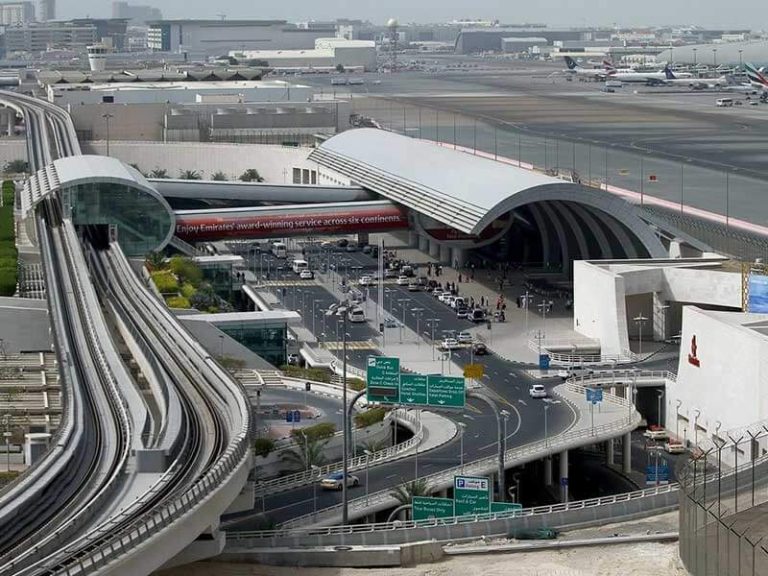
x: 307, y: 453
x: 251, y: 175
x: 136, y: 167
x: 190, y: 175
x: 405, y: 492
x: 159, y: 173
x: 219, y: 176
x: 155, y: 260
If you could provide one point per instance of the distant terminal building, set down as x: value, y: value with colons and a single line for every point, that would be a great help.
x: 328, y: 54
x: 218, y: 37
x: 12, y: 13
x: 490, y: 39
x: 41, y: 37
x: 180, y: 92
x: 135, y: 14
x: 46, y: 10
x: 515, y: 45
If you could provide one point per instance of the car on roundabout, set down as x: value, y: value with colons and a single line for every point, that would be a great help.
x: 537, y: 391
x: 307, y: 275
x: 335, y: 481
x: 403, y: 281
x: 465, y: 337
x: 367, y: 281
x: 480, y: 349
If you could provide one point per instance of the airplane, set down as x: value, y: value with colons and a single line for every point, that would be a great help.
x: 756, y: 77
x: 693, y: 83
x: 594, y: 73
x: 608, y: 65
x: 649, y: 78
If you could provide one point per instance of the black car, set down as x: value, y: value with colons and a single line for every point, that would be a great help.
x: 480, y: 349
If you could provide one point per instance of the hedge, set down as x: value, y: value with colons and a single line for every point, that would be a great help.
x: 313, y: 433
x: 9, y: 256
x: 165, y: 282
x: 9, y: 193
x: 370, y: 417
x: 178, y: 302
x: 316, y: 374
x: 263, y: 446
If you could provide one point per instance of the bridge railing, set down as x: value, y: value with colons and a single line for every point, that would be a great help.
x: 515, y: 456
x: 354, y: 464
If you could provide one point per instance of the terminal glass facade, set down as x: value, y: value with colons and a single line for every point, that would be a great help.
x: 268, y: 340
x: 142, y: 221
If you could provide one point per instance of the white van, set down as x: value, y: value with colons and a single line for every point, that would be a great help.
x: 356, y: 315
x: 299, y: 266
x: 724, y: 102
x: 279, y: 250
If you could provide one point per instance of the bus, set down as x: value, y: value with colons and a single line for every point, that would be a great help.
x: 279, y: 250
x: 299, y: 265
x: 724, y: 102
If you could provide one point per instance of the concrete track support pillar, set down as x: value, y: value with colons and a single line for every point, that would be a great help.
x: 10, y: 122
x: 626, y: 450
x: 423, y: 244
x: 548, y: 471
x: 564, y: 476
x: 434, y: 249
x: 459, y: 257
x: 609, y: 455
x: 445, y: 255
x: 363, y: 238
x: 413, y: 239
x: 660, y: 309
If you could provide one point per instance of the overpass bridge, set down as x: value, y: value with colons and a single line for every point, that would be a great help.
x: 130, y: 479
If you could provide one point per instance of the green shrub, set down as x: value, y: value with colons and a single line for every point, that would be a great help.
x: 8, y: 280
x: 186, y: 270
x: 314, y: 433
x: 316, y: 374
x: 355, y: 384
x: 370, y: 417
x: 263, y: 446
x: 9, y: 193
x: 165, y: 282
x: 188, y: 291
x: 178, y: 302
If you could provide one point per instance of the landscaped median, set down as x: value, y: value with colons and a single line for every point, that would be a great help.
x: 9, y: 256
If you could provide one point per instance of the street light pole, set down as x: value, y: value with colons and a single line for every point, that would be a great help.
x: 107, y: 117
x: 402, y: 302
x: 462, y: 426
x: 639, y: 321
x: 345, y: 447
x: 367, y: 457
x: 505, y: 415
x: 546, y: 430
x: 418, y: 312
x: 658, y: 416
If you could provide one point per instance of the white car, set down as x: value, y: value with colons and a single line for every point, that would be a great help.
x: 674, y: 447
x: 414, y: 287
x: 444, y: 296
x: 437, y: 293
x: 464, y: 337
x: 403, y: 280
x: 367, y: 281
x: 656, y: 434
x: 537, y: 391
x: 306, y: 275
x: 334, y: 481
x: 450, y: 344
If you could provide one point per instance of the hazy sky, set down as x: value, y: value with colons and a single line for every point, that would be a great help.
x: 557, y: 12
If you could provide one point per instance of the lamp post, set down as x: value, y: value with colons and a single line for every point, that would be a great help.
x: 696, y: 427
x: 341, y: 318
x: 107, y: 117
x: 505, y: 415
x: 639, y: 321
x: 546, y: 429
x: 432, y: 323
x: 714, y: 57
x: 677, y: 418
x: 402, y: 302
x: 313, y: 314
x: 417, y: 312
x: 314, y: 487
x: 660, y: 394
x: 462, y: 426
x: 368, y: 454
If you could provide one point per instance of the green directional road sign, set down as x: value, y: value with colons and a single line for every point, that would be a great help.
x: 498, y: 507
x: 471, y: 495
x: 413, y: 389
x: 427, y: 508
x: 445, y: 391
x: 383, y: 379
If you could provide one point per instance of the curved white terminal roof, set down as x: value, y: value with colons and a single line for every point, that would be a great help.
x: 461, y: 190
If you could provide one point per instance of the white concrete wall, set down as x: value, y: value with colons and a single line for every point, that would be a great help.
x: 729, y: 384
x: 274, y: 163
x: 599, y: 307
x: 12, y: 149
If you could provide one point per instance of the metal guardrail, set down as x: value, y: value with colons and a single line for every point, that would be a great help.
x: 515, y: 456
x: 358, y: 463
x: 621, y: 376
x: 456, y: 520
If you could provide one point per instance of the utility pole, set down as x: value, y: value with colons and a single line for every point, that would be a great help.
x: 107, y: 117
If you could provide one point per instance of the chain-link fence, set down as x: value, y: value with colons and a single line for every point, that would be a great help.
x: 724, y: 506
x: 730, y: 200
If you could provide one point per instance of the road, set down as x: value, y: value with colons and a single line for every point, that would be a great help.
x: 505, y: 382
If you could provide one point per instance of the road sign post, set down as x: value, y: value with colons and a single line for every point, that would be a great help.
x: 413, y: 389
x: 383, y: 380
x: 471, y: 495
x: 431, y: 508
x: 446, y: 391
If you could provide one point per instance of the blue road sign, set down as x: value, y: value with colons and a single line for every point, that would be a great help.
x: 544, y: 361
x: 654, y: 475
x: 594, y: 395
x: 563, y: 481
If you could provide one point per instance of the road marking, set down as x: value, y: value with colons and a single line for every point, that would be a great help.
x: 521, y: 401
x: 291, y: 505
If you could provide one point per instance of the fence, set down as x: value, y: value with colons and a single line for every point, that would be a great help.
x: 679, y: 187
x: 723, y: 520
